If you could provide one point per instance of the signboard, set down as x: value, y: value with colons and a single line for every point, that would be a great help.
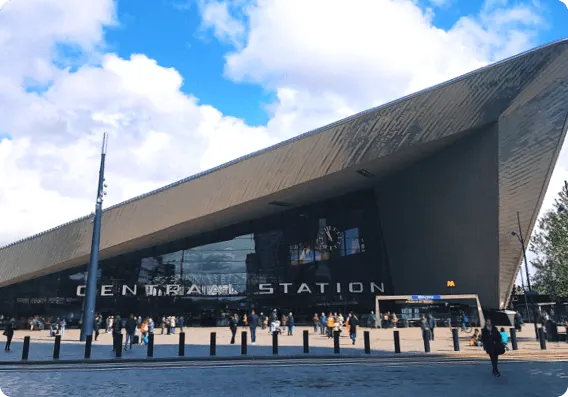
x: 425, y: 297
x: 228, y: 289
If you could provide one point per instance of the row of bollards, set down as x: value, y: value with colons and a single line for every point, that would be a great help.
x: 117, y: 343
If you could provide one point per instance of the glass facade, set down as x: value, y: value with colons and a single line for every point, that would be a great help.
x: 327, y: 256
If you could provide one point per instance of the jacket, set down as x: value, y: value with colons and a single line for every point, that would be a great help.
x: 130, y: 326
x: 491, y: 339
x: 253, y: 321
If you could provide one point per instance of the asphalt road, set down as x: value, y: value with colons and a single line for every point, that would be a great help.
x: 313, y: 378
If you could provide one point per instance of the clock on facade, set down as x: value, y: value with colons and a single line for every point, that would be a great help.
x: 329, y: 238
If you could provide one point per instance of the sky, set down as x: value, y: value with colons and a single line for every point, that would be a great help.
x: 185, y: 85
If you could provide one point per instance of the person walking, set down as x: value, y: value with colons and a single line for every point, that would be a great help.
x: 291, y: 324
x: 97, y: 326
x: 233, y: 324
x: 492, y: 344
x: 116, y: 333
x: 316, y: 321
x: 181, y: 322
x: 353, y: 322
x: 432, y: 325
x: 426, y: 334
x: 253, y: 323
x: 9, y: 334
x: 130, y: 332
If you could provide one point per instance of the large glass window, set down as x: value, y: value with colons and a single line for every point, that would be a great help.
x: 225, y: 269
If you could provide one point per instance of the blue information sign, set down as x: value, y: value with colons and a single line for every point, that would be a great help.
x: 425, y: 297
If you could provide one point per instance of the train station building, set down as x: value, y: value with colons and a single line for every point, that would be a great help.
x: 396, y: 200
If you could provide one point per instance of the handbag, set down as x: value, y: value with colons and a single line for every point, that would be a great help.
x: 500, y: 348
x: 5, y: 333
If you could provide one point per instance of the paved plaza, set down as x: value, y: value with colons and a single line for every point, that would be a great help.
x: 197, y: 345
x: 311, y: 378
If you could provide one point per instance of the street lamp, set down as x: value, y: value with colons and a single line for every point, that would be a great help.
x: 522, y: 241
x: 88, y: 316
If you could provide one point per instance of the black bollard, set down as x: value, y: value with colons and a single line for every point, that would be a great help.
x: 118, y: 346
x: 396, y: 341
x: 57, y: 347
x: 88, y: 343
x: 426, y: 338
x: 213, y: 344
x: 306, y: 341
x: 541, y: 338
x: 336, y: 342
x: 244, y: 343
x: 513, y: 333
x: 275, y: 342
x: 26, y: 348
x: 150, y: 352
x: 367, y: 340
x: 181, y: 349
x: 456, y: 338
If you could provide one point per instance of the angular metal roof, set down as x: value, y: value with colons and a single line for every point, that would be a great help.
x: 526, y: 96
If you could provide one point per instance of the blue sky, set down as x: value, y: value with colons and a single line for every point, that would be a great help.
x: 170, y: 32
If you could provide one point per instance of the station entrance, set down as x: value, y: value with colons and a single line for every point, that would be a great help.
x: 448, y: 310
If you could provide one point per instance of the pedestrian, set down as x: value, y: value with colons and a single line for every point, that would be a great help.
x: 492, y: 344
x: 323, y: 323
x: 97, y: 325
x: 431, y: 324
x: 233, y: 324
x: 130, y: 332
x: 181, y: 321
x: 316, y: 321
x: 9, y: 334
x: 290, y: 324
x: 116, y: 333
x: 426, y: 335
x: 353, y: 322
x: 253, y: 323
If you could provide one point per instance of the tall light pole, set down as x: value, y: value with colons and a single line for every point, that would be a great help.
x: 522, y: 241
x: 88, y: 317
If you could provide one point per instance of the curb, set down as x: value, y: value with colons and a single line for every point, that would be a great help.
x: 214, y: 359
x: 298, y: 357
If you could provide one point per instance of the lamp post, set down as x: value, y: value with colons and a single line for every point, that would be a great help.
x: 88, y: 316
x: 519, y: 235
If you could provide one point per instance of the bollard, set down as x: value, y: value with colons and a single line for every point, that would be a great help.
x: 181, y: 349
x: 336, y: 342
x: 367, y: 340
x: 306, y: 341
x: 119, y: 346
x: 396, y: 341
x: 150, y: 352
x: 244, y: 343
x: 213, y: 344
x: 275, y: 342
x: 426, y: 338
x: 26, y: 348
x: 57, y: 347
x: 542, y: 339
x: 456, y: 338
x: 88, y: 343
x: 513, y: 333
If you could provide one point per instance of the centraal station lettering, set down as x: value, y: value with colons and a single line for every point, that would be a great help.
x: 227, y: 289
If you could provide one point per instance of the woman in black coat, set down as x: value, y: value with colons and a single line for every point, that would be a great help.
x: 492, y: 344
x: 233, y: 323
x: 9, y: 333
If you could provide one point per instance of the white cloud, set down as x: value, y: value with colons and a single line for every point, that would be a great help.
x: 324, y: 60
